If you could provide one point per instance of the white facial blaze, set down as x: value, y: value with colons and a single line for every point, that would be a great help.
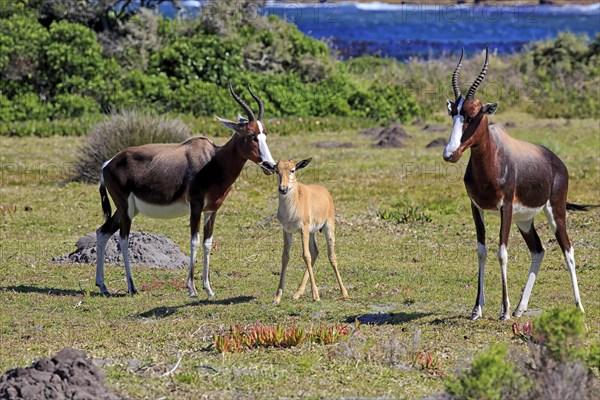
x: 265, y: 154
x: 457, y: 130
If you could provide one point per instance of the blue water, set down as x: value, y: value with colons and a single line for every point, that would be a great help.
x: 405, y: 31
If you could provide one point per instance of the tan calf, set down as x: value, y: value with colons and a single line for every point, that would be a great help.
x: 306, y: 209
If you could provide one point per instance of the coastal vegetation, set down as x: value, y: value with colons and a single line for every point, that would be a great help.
x: 62, y: 68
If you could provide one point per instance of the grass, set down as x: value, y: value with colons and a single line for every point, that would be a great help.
x: 422, y: 273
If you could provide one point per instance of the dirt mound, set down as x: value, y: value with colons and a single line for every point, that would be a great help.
x: 434, y: 128
x: 67, y: 375
x: 329, y: 144
x: 144, y: 249
x: 439, y: 142
x: 390, y: 136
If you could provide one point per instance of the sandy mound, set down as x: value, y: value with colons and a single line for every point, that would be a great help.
x: 390, y: 136
x: 329, y: 144
x: 144, y: 248
x: 439, y: 142
x: 67, y: 375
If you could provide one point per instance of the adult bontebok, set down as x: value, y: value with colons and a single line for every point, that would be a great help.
x: 173, y: 180
x: 516, y: 178
x: 306, y: 209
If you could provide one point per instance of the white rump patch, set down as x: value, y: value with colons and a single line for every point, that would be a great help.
x: 178, y: 209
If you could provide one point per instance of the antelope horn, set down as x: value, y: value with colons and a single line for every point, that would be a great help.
x: 473, y: 89
x: 455, y: 75
x: 241, y: 102
x: 261, y: 106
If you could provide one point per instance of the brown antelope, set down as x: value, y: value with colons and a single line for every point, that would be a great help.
x: 516, y: 178
x: 173, y: 180
x: 306, y: 209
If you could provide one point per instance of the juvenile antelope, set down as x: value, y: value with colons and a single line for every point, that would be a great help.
x: 306, y: 209
x: 516, y: 178
x: 173, y: 180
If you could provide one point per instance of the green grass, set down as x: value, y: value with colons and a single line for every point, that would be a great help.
x: 423, y: 272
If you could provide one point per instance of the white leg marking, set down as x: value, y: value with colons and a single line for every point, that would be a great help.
x: 194, y: 244
x: 101, y: 241
x: 481, y: 258
x: 205, y: 279
x: 503, y: 259
x: 550, y: 216
x: 570, y: 259
x: 124, y: 244
x: 536, y: 261
x: 131, y: 210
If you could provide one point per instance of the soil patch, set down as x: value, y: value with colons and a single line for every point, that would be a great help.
x: 439, y: 142
x: 157, y: 251
x: 329, y: 144
x: 434, y: 128
x: 67, y: 375
x: 390, y: 136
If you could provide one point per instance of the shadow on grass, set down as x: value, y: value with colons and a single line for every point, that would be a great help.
x: 165, y: 311
x: 386, y: 318
x: 54, y: 291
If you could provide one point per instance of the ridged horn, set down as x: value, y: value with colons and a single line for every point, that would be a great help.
x: 455, y: 75
x: 261, y: 106
x: 242, y: 103
x: 473, y: 89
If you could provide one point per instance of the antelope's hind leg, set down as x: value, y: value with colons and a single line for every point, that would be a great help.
x: 314, y: 253
x: 103, y: 234
x: 556, y: 214
x: 124, y: 244
x: 329, y: 231
x: 537, y: 255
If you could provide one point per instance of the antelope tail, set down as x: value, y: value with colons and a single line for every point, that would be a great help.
x: 581, y: 207
x: 105, y: 202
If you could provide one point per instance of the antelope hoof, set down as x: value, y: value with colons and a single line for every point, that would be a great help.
x: 133, y: 291
x: 277, y: 298
x: 518, y: 312
x: 504, y: 317
x: 477, y: 313
x: 103, y: 290
x: 578, y: 305
x: 297, y: 295
x: 209, y: 292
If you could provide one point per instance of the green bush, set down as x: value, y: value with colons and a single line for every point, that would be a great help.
x: 562, y: 333
x: 490, y: 377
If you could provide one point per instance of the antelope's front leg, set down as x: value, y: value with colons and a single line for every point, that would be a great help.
x: 481, y: 258
x: 285, y: 259
x: 209, y: 224
x: 505, y: 222
x: 308, y: 261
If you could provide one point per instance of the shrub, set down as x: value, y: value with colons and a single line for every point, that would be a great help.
x: 120, y: 131
x: 561, y: 333
x: 403, y: 215
x: 490, y: 377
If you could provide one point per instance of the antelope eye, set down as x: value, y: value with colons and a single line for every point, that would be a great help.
x: 292, y: 171
x: 254, y: 138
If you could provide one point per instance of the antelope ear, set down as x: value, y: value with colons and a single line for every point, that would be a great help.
x: 235, y: 126
x: 269, y: 166
x: 489, y: 108
x: 449, y: 104
x: 242, y: 119
x: 303, y: 163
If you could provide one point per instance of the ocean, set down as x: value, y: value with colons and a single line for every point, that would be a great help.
x: 407, y: 31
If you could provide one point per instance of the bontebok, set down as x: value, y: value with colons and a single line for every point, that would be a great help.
x: 173, y: 180
x: 516, y: 178
x: 307, y: 209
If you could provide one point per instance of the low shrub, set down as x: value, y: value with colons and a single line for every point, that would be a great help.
x: 490, y: 377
